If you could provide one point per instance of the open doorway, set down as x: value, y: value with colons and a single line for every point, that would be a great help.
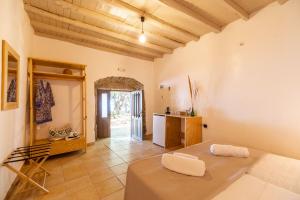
x: 120, y: 108
x: 120, y: 118
x: 120, y: 114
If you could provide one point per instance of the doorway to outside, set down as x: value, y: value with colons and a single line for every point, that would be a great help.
x: 120, y: 114
x: 120, y: 118
x: 120, y: 108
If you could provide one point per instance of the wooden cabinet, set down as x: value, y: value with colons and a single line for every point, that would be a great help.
x: 178, y: 130
x: 193, y: 131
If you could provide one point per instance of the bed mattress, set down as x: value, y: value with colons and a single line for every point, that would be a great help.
x: 149, y: 180
x: 249, y: 187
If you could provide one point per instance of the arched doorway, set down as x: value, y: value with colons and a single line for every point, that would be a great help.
x: 104, y: 89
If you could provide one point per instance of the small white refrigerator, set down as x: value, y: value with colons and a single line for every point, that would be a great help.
x: 159, y: 129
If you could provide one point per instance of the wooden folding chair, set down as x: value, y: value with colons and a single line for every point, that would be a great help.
x: 35, y: 155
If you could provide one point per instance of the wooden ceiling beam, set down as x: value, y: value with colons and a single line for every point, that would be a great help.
x: 238, y: 9
x: 153, y: 19
x: 96, y: 29
x: 79, y: 36
x: 113, y: 20
x: 282, y: 1
x: 187, y: 8
x: 102, y: 48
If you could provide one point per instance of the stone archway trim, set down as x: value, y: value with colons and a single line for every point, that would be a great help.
x: 119, y: 83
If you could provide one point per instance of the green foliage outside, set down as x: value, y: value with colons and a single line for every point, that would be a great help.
x: 120, y: 104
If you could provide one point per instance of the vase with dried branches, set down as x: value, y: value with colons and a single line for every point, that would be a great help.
x: 193, y: 94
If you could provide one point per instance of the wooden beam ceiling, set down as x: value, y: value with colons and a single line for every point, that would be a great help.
x: 113, y: 20
x: 95, y: 29
x: 114, y: 26
x: 238, y: 9
x: 91, y: 45
x: 80, y: 36
x: 155, y: 20
x: 188, y: 9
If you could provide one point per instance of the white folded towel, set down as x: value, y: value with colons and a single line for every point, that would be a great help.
x: 185, y: 155
x: 229, y: 150
x: 184, y: 164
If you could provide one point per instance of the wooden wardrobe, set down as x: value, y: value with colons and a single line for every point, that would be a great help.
x: 37, y: 70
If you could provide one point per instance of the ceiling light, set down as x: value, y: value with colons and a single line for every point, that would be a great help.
x: 142, y: 37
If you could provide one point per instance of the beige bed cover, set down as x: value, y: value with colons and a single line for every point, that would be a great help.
x: 149, y: 180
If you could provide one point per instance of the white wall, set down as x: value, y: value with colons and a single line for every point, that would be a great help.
x: 248, y: 80
x: 67, y: 109
x: 99, y: 65
x: 16, y: 30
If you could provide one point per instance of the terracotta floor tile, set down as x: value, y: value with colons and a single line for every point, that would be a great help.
x: 78, y: 184
x: 94, y: 164
x: 130, y: 157
x: 119, y: 169
x: 124, y: 152
x: 89, y: 193
x: 68, y: 158
x: 101, y: 175
x: 118, y: 148
x: 56, y: 177
x: 108, y: 156
x: 55, y: 192
x: 114, y: 161
x: 122, y: 178
x: 119, y: 195
x: 88, y: 155
x: 51, y: 164
x: 60, y: 196
x: 108, y: 187
x: 70, y: 163
x: 104, y: 150
x: 28, y: 195
x: 52, y: 181
x: 74, y: 172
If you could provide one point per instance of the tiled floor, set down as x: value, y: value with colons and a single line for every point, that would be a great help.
x: 100, y: 173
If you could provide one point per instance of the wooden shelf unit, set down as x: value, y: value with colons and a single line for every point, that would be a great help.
x: 49, y: 75
x: 12, y: 70
x: 60, y: 146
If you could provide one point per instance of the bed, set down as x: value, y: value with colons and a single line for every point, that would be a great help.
x: 149, y: 180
